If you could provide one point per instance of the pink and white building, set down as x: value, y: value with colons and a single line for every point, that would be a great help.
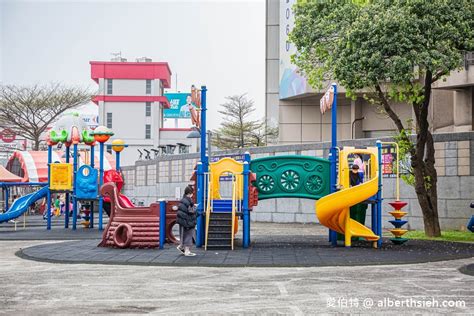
x: 131, y: 102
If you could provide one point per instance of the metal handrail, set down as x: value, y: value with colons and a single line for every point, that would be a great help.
x: 368, y: 171
x: 234, y: 206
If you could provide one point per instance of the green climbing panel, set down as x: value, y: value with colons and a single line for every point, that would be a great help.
x: 291, y: 176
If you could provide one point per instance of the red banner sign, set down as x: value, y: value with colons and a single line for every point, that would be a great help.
x: 7, y: 135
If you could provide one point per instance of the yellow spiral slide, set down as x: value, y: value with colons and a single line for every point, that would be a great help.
x: 333, y: 210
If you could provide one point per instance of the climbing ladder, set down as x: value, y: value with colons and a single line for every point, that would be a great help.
x: 220, y: 219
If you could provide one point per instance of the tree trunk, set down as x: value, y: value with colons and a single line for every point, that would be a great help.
x: 426, y: 185
x: 423, y: 164
x: 36, y: 143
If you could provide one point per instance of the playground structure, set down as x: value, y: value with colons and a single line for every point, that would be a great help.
x: 333, y: 210
x: 324, y: 180
x: 138, y: 227
x: 62, y: 177
x: 81, y: 182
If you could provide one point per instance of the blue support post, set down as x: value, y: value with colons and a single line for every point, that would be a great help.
x: 91, y: 216
x: 117, y: 161
x: 245, y: 208
x: 74, y: 200
x: 333, y: 156
x: 7, y: 196
x: 203, y: 168
x: 200, y: 208
x: 66, y: 207
x: 373, y: 208
x: 379, y: 195
x: 101, y: 181
x: 204, y: 158
x: 48, y: 196
x: 162, y: 223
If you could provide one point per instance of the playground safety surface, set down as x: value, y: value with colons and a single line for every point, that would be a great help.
x: 266, y: 251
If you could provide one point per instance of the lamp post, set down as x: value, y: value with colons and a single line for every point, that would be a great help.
x: 203, y: 168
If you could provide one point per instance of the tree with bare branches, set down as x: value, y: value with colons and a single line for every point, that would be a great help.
x: 30, y: 110
x: 238, y: 130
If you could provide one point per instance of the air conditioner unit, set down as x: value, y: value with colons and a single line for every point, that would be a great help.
x: 144, y: 60
x: 119, y: 59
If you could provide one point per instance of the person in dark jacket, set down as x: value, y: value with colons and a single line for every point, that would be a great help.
x: 354, y: 176
x: 187, y: 222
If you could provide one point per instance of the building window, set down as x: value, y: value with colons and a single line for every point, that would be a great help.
x: 148, y: 109
x: 109, y: 120
x: 147, y: 131
x: 148, y: 86
x: 109, y: 86
x: 109, y: 149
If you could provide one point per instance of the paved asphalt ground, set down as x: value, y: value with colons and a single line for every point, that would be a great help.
x: 33, y: 288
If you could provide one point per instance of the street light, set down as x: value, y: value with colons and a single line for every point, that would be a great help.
x: 195, y: 133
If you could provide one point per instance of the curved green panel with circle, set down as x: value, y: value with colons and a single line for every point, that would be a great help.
x: 291, y: 176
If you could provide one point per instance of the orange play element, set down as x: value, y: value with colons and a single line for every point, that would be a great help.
x: 236, y: 224
x: 118, y: 145
x: 102, y: 134
x: 397, y: 214
x: 398, y: 232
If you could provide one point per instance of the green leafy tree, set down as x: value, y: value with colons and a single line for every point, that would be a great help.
x: 388, y: 51
x: 238, y: 130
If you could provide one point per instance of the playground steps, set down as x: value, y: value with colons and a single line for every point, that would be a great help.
x: 222, y: 206
x: 219, y: 235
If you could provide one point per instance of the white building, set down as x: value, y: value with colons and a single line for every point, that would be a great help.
x: 131, y: 103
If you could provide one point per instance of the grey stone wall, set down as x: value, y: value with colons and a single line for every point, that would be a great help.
x: 167, y: 176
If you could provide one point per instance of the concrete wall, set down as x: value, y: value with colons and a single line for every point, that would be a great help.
x: 131, y: 87
x: 163, y: 178
x: 128, y: 123
x: 272, y: 58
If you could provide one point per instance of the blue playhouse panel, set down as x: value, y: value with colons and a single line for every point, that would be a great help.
x: 87, y: 187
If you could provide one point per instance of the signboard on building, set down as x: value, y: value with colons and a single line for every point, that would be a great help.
x: 389, y: 162
x: 181, y: 106
x: 7, y: 135
x: 291, y: 82
x: 91, y: 120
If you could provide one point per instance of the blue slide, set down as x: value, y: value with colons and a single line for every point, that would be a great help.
x: 22, y: 204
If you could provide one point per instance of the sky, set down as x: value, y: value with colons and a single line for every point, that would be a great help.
x: 218, y: 43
